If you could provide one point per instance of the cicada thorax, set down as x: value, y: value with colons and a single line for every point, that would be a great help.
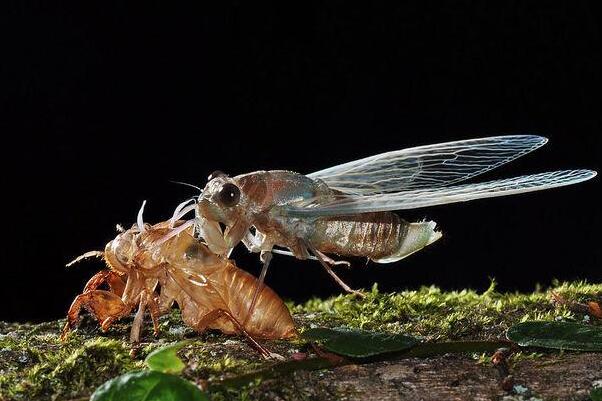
x: 264, y: 189
x: 381, y: 236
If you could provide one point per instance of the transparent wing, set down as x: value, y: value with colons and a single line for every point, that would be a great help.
x: 412, y: 199
x: 430, y: 166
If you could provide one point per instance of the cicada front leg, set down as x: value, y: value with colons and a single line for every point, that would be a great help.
x: 103, y: 305
x: 211, y: 232
x: 115, y: 283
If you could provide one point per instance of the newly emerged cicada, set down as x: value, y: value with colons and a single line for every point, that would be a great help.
x: 346, y: 210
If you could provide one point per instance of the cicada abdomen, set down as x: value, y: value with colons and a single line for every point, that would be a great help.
x: 383, y: 237
x: 269, y: 319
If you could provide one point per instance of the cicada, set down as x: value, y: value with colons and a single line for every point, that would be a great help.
x: 153, y: 267
x: 346, y: 210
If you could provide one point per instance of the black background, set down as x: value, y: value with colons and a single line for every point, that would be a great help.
x: 105, y: 103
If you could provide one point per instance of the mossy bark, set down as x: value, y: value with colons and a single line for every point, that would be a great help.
x: 36, y: 365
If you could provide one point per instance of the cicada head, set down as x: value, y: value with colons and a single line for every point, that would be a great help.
x: 237, y: 202
x: 120, y: 251
x: 222, y: 199
x: 229, y: 200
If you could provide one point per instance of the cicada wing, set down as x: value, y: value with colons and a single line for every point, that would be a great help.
x: 351, y: 204
x: 430, y: 166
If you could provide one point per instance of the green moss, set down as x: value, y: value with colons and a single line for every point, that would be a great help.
x: 208, y: 360
x: 245, y: 393
x: 68, y: 370
x: 36, y: 365
x: 437, y: 315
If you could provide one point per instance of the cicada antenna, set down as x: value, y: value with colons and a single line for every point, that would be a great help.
x: 187, y: 184
x: 90, y: 254
x: 184, y: 208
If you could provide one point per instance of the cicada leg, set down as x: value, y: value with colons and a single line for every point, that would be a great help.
x: 266, y: 258
x: 116, y: 284
x: 146, y: 299
x: 331, y: 261
x: 324, y: 261
x: 155, y: 312
x: 138, y: 319
x: 103, y: 305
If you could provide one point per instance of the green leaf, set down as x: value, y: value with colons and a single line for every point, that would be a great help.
x: 557, y: 335
x: 166, y: 359
x: 359, y: 343
x: 148, y: 385
x: 425, y: 350
x: 596, y: 394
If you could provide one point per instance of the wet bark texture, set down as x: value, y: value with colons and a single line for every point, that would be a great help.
x: 567, y: 377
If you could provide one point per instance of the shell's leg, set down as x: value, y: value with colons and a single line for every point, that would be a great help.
x: 216, y: 314
x: 116, y: 284
x: 138, y: 319
x: 155, y: 312
x: 103, y: 305
x: 324, y: 261
x: 100, y: 303
x: 97, y: 280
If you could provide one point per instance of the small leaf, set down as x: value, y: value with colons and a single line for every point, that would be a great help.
x: 557, y: 335
x: 596, y: 394
x: 359, y: 343
x: 148, y: 385
x: 166, y: 359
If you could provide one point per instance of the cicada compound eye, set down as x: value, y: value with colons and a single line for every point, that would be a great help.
x: 229, y: 195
